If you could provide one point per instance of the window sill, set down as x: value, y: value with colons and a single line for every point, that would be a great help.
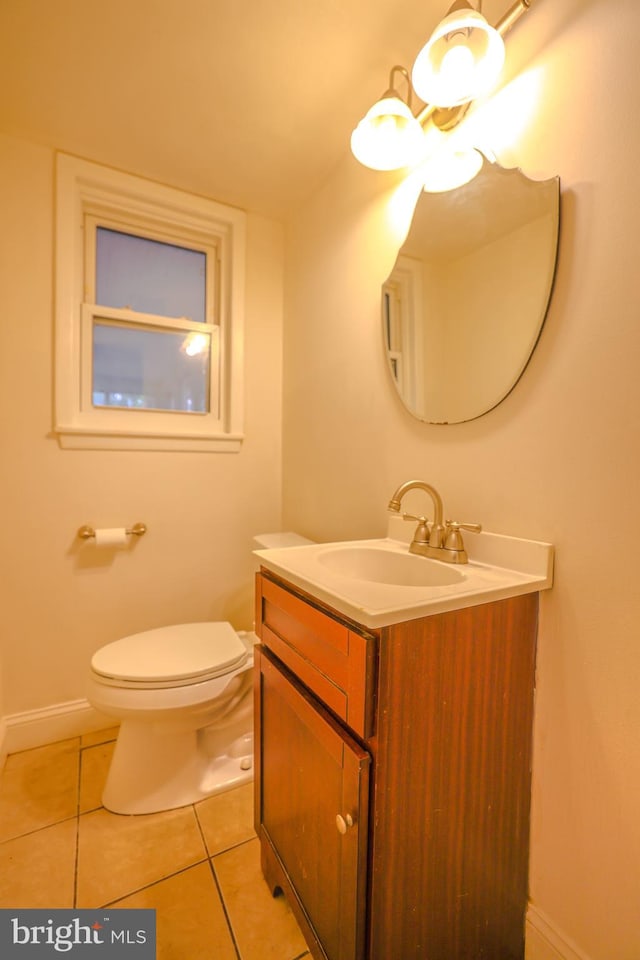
x: 75, y: 440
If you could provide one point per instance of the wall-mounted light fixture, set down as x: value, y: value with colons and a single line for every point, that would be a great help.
x: 389, y: 133
x: 460, y: 62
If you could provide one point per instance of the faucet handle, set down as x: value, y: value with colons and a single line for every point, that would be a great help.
x: 422, y: 530
x: 453, y: 537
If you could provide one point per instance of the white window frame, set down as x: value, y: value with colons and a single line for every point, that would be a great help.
x: 404, y: 287
x: 88, y: 195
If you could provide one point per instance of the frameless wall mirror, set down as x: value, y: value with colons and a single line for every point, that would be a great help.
x: 465, y: 303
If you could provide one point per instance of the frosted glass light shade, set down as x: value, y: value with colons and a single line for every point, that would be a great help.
x: 461, y: 61
x: 389, y: 137
x: 450, y: 169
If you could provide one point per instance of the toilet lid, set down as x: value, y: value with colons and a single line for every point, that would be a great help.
x: 187, y: 651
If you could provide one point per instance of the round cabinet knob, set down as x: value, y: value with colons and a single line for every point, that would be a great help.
x: 343, y: 823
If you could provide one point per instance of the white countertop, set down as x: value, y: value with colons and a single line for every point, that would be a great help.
x: 499, y: 567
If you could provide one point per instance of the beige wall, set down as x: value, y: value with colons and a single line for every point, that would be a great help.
x: 558, y: 460
x: 59, y: 601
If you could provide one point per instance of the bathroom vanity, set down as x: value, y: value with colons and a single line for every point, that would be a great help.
x: 393, y: 763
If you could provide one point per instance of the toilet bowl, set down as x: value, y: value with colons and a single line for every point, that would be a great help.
x: 184, y: 697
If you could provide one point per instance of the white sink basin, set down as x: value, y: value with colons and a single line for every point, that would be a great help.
x: 378, y: 582
x: 380, y: 565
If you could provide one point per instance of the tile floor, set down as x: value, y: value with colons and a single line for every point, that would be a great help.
x: 197, y: 866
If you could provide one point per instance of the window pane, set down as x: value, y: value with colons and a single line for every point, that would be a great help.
x: 149, y: 276
x: 150, y: 370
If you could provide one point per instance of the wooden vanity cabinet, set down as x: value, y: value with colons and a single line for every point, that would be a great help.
x: 418, y: 737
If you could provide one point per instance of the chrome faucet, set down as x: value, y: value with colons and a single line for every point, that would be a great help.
x: 439, y: 540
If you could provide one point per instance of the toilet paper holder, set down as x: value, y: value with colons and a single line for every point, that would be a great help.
x: 137, y: 530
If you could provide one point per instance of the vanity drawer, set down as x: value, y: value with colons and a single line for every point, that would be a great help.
x: 333, y: 661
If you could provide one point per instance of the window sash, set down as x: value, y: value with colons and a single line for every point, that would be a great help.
x: 129, y: 319
x: 148, y: 230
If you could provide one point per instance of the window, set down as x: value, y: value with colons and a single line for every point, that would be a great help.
x: 402, y: 310
x: 149, y: 304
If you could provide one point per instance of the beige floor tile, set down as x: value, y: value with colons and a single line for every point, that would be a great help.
x: 94, y: 766
x: 38, y: 788
x: 98, y: 736
x: 38, y: 870
x: 264, y: 927
x: 190, y: 920
x: 118, y: 855
x: 227, y: 818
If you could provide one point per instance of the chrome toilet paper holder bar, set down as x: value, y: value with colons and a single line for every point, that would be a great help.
x: 137, y: 530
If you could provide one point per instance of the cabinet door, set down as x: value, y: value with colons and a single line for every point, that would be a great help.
x: 313, y: 805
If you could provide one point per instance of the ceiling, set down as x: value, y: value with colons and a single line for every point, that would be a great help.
x: 251, y: 102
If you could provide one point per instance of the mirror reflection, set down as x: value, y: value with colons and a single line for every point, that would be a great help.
x: 465, y: 303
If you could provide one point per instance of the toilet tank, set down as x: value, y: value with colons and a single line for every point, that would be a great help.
x: 269, y: 541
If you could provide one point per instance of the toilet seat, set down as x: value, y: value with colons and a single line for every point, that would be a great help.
x: 172, y: 656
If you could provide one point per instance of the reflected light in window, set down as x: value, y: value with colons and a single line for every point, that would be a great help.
x: 195, y: 344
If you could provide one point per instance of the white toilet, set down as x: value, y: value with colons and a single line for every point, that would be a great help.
x: 184, y: 697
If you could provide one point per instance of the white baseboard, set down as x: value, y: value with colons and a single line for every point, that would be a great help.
x: 544, y: 941
x: 35, y: 728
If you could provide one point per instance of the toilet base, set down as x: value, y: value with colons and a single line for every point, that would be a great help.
x: 169, y: 769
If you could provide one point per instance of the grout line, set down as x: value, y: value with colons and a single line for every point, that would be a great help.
x: 152, y: 883
x: 79, y: 782
x: 76, y: 865
x: 232, y: 845
x: 224, y: 908
x: 44, y: 746
x: 217, y: 884
x: 44, y: 826
x: 200, y: 830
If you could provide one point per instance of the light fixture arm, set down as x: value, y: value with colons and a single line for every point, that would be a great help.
x: 514, y: 13
x: 506, y: 21
x: 392, y: 91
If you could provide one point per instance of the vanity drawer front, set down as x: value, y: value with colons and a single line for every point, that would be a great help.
x: 330, y: 659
